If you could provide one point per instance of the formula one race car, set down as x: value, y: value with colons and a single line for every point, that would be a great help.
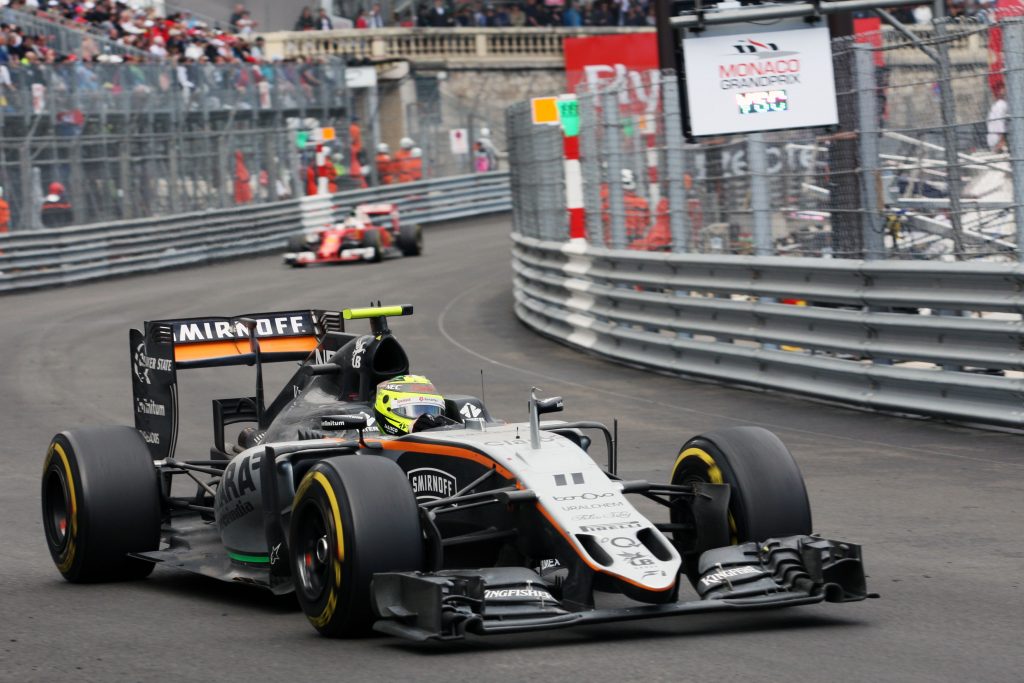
x: 373, y: 232
x: 470, y: 525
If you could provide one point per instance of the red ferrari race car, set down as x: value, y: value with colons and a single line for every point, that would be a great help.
x: 373, y: 232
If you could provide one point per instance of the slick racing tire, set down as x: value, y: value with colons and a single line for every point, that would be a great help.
x: 371, y: 239
x: 768, y: 498
x: 353, y: 516
x: 297, y: 243
x: 410, y: 240
x: 101, y: 501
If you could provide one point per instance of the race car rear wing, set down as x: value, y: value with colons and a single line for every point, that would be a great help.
x: 165, y: 346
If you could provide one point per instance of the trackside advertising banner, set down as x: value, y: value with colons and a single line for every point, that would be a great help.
x: 628, y: 60
x: 750, y: 78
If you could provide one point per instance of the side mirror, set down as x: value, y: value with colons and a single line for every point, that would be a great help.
x: 342, y: 423
x: 555, y: 404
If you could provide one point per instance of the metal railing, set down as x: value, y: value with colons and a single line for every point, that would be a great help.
x: 484, y: 45
x: 932, y: 338
x: 31, y: 260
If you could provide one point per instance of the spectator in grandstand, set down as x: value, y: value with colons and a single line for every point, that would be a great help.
x: 306, y: 21
x: 246, y: 24
x: 235, y: 16
x: 571, y: 16
x: 599, y: 14
x: 375, y: 19
x: 438, y: 16
x: 535, y: 14
x: 323, y: 20
x: 8, y: 92
x: 516, y: 17
x: 464, y: 17
x: 157, y: 48
x: 635, y: 16
x: 257, y: 49
x: 496, y: 17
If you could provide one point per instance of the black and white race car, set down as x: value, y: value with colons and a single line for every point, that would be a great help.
x: 478, y: 526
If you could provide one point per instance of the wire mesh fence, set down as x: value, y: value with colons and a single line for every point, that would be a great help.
x: 119, y: 176
x: 919, y: 165
x: 91, y: 142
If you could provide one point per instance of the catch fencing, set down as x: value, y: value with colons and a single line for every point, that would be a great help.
x: 136, y: 140
x: 31, y: 260
x: 874, y: 264
x: 912, y: 171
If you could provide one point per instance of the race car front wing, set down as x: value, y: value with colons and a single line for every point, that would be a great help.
x: 783, y: 572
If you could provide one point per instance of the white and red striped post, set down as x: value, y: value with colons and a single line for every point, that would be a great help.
x: 573, y: 181
x: 574, y: 187
x: 322, y: 186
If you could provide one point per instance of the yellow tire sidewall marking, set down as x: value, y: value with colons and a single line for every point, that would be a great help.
x: 68, y: 555
x: 714, y: 477
x: 714, y: 473
x: 332, y: 598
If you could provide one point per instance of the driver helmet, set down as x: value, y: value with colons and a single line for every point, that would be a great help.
x: 403, y: 399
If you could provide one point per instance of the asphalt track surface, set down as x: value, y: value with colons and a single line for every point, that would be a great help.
x: 938, y: 508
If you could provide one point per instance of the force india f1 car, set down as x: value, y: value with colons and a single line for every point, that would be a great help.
x: 372, y: 233
x: 476, y: 527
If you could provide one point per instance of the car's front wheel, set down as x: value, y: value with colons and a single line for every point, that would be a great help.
x: 353, y: 517
x: 768, y: 498
x: 371, y: 240
x: 410, y: 240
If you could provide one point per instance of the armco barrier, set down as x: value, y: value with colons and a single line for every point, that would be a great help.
x: 46, y: 258
x: 932, y: 338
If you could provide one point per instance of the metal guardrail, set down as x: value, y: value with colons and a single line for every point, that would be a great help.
x: 46, y: 258
x: 932, y: 338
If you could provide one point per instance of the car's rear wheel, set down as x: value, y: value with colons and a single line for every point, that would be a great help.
x: 101, y: 501
x: 353, y: 517
x: 768, y: 498
x: 410, y: 240
x: 371, y: 239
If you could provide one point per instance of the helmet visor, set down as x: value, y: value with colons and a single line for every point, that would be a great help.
x: 414, y: 410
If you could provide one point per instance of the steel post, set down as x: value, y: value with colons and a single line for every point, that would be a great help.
x: 590, y: 165
x: 760, y: 201
x: 675, y: 161
x: 947, y: 107
x: 616, y: 210
x: 867, y: 141
x: 1013, y: 53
